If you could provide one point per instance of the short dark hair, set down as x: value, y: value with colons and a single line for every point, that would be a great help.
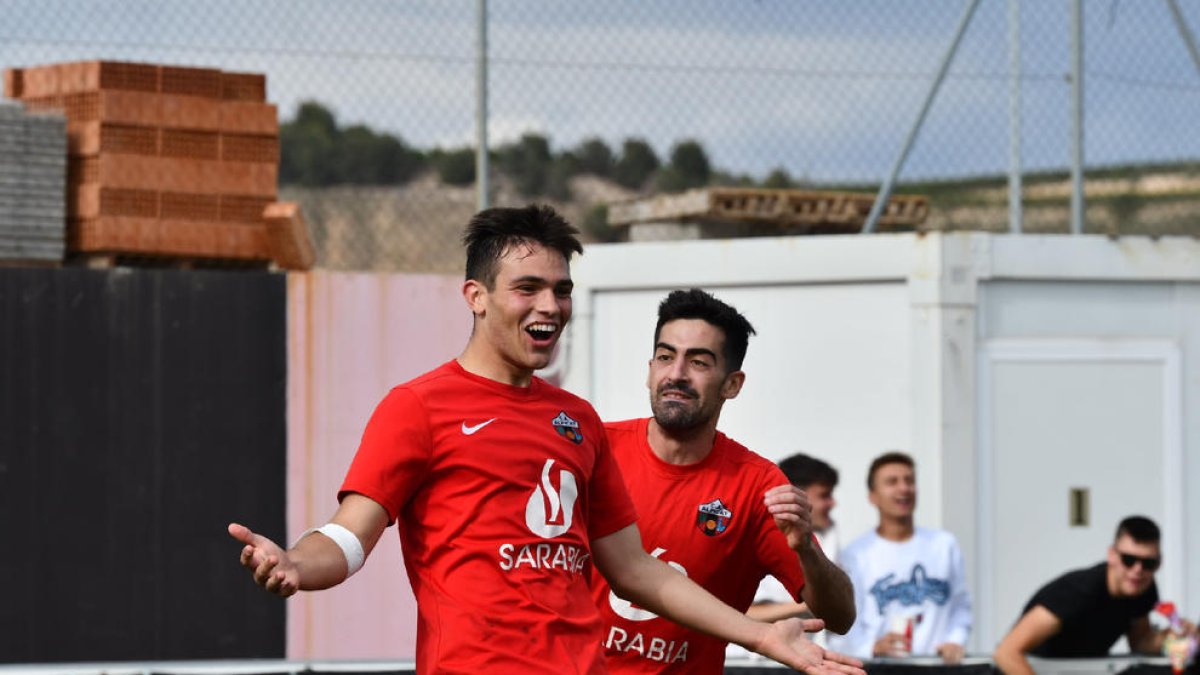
x: 697, y: 304
x: 803, y: 470
x: 890, y: 457
x: 1140, y: 529
x: 492, y: 232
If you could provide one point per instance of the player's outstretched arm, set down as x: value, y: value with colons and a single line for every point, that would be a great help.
x: 778, y: 611
x: 317, y: 560
x: 652, y: 584
x: 792, y: 633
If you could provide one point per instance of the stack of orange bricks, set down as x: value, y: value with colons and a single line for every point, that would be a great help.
x: 168, y: 161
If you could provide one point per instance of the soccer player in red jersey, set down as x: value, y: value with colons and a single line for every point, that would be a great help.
x: 505, y: 491
x: 710, y: 508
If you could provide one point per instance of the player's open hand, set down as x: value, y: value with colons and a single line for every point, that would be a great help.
x: 270, y: 565
x: 787, y: 643
x: 790, y: 508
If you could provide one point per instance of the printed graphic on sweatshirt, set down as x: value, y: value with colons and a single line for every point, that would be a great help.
x: 910, y: 592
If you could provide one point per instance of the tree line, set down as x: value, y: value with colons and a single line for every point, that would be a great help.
x: 315, y: 151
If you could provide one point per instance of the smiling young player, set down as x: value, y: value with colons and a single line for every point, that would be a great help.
x: 505, y: 492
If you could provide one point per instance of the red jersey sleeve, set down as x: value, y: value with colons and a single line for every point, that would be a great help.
x: 610, y: 509
x: 393, y: 457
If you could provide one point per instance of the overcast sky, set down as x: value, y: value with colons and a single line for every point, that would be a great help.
x: 825, y: 89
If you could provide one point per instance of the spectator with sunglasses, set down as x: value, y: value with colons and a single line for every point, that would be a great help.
x: 1082, y: 613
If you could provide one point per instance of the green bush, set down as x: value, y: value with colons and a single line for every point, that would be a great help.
x: 636, y: 164
x: 454, y: 167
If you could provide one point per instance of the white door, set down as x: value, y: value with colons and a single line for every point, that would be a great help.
x: 1074, y: 436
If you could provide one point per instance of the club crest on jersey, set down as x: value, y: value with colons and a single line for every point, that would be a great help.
x: 567, y: 428
x: 713, y: 518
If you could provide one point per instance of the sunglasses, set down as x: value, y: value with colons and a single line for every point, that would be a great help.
x: 1148, y: 564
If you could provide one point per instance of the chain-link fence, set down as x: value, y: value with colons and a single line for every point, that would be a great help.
x: 591, y: 103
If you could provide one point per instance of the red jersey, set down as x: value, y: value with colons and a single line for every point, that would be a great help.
x: 708, y: 521
x: 497, y: 491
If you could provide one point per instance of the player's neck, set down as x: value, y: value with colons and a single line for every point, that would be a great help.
x: 896, y: 529
x: 477, y: 359
x: 681, y: 447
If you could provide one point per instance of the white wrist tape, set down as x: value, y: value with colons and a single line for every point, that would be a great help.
x: 346, y: 540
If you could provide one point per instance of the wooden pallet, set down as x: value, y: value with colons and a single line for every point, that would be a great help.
x: 760, y: 205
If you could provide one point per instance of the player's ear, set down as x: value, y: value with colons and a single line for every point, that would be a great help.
x: 474, y: 292
x: 732, y: 385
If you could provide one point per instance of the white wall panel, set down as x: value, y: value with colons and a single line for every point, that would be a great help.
x: 1103, y: 416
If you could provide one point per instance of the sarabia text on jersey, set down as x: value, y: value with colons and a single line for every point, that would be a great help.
x: 496, y: 491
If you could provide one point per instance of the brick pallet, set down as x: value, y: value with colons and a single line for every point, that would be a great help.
x: 163, y: 160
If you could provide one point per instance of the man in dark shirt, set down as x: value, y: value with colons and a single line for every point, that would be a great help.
x: 1082, y: 613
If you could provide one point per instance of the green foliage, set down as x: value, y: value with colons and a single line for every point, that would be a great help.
x: 558, y: 177
x: 727, y: 179
x: 568, y: 163
x: 315, y: 152
x: 595, y: 157
x: 636, y: 164
x: 527, y: 162
x: 778, y: 179
x: 454, y: 167
x: 1125, y: 207
x: 595, y: 223
x: 667, y: 179
x: 306, y: 146
x: 362, y: 157
x: 690, y: 164
x: 316, y: 118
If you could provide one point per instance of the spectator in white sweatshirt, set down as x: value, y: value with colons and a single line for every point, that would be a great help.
x: 909, y: 584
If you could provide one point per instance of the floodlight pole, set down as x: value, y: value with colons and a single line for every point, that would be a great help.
x: 1014, y: 117
x: 481, y: 106
x: 1077, y: 197
x: 885, y: 190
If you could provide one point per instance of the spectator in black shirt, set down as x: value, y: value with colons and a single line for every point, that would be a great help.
x: 1082, y: 613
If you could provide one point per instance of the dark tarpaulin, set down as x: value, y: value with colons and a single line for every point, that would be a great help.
x: 140, y: 412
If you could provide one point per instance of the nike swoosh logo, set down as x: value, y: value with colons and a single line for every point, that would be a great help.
x: 467, y: 431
